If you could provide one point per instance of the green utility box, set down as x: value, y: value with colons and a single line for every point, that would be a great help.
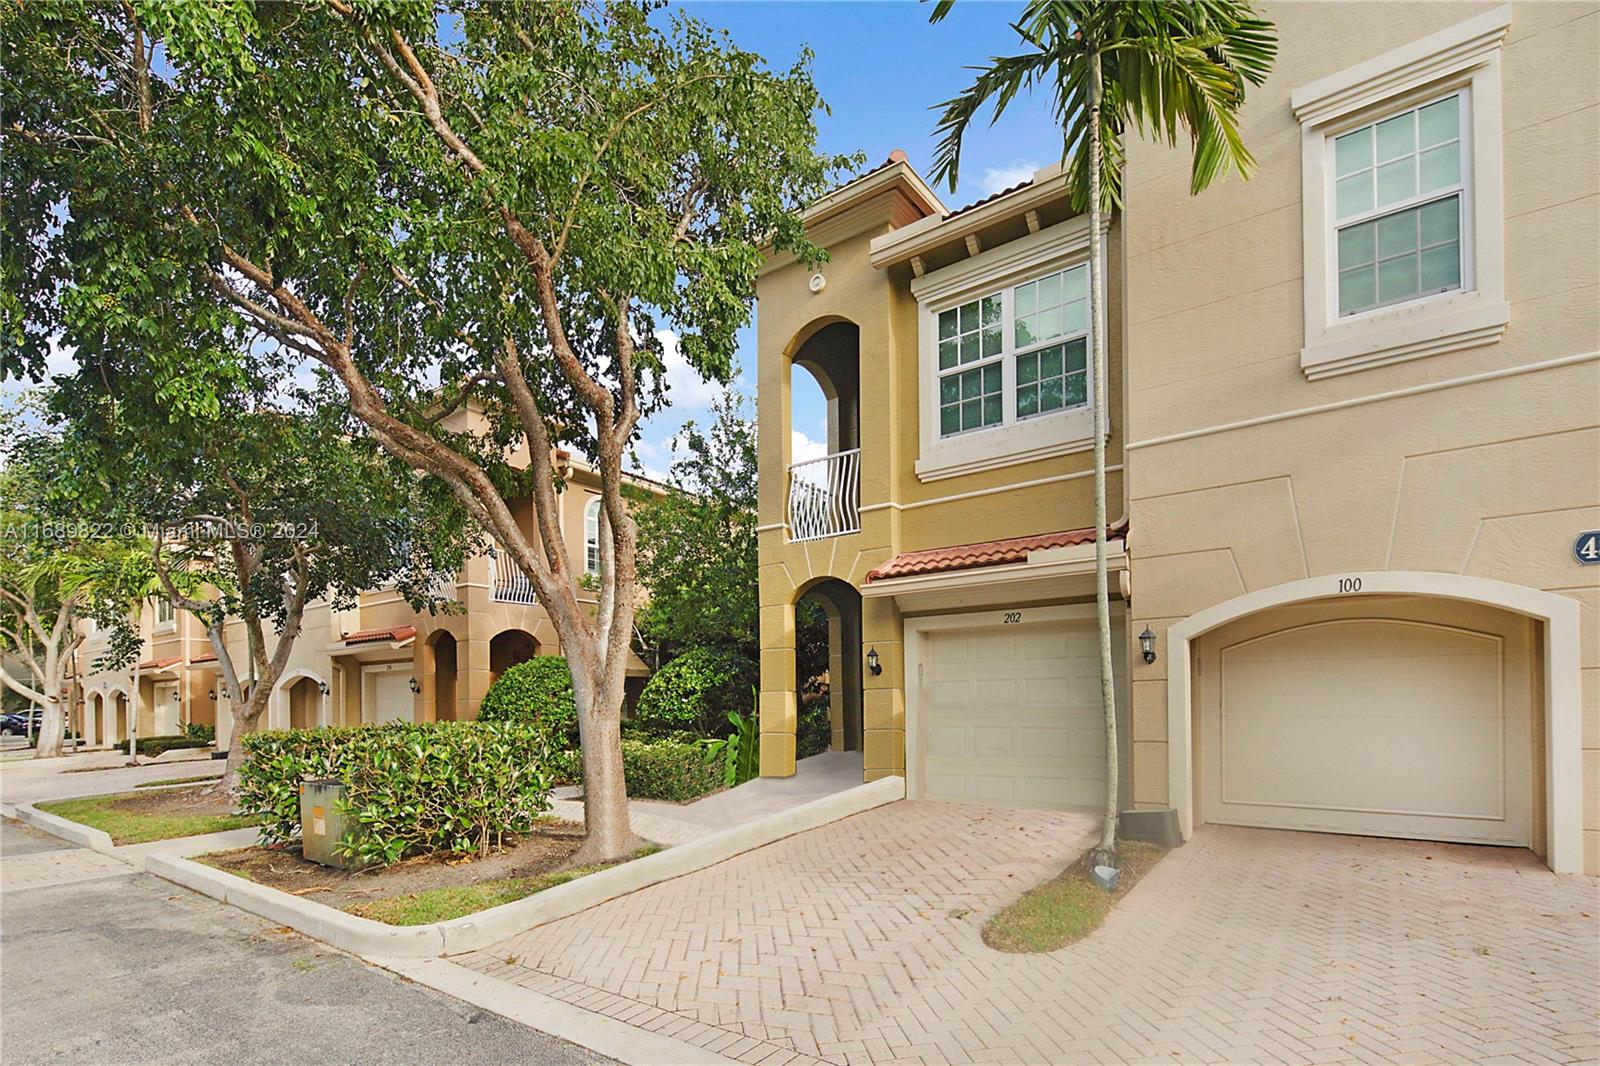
x: 322, y: 823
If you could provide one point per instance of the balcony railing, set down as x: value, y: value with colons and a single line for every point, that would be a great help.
x: 825, y: 496
x: 507, y: 584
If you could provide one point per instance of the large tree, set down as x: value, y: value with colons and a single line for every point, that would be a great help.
x: 251, y: 515
x: 1167, y: 68
x: 466, y: 205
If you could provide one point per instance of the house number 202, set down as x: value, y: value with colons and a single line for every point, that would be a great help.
x: 1349, y: 584
x: 1011, y: 618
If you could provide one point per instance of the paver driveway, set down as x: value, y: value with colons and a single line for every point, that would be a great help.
x: 859, y: 942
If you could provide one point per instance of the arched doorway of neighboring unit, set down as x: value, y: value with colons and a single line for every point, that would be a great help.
x: 509, y: 648
x: 444, y: 677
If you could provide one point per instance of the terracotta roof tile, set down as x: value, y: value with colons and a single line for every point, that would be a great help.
x: 158, y: 664
x: 203, y: 657
x: 990, y: 198
x: 374, y: 636
x: 984, y: 553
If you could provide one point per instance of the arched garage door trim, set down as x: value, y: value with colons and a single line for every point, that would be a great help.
x: 1563, y: 720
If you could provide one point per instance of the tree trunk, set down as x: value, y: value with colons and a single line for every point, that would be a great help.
x: 608, y: 833
x: 1107, y: 851
x: 243, y: 723
x: 52, y: 723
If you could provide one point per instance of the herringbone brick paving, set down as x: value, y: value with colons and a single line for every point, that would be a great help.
x: 859, y: 943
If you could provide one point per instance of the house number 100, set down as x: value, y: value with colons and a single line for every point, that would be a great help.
x: 1349, y: 584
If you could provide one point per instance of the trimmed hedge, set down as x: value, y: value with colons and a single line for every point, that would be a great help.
x: 664, y: 770
x: 409, y: 788
x: 200, y: 731
x: 669, y: 771
x: 536, y: 690
x: 694, y: 693
x: 153, y: 746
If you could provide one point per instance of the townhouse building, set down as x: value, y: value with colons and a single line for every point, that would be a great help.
x: 1353, y: 438
x: 377, y: 661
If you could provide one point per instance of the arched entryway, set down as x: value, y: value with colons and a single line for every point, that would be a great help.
x: 117, y: 724
x: 305, y: 704
x: 1382, y: 703
x: 443, y: 646
x: 509, y: 648
x: 828, y: 664
x: 824, y: 475
x: 94, y: 721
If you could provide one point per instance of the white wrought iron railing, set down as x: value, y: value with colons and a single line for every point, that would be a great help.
x: 825, y: 496
x: 507, y: 584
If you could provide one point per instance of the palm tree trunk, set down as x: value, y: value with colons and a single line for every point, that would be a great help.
x: 1102, y: 599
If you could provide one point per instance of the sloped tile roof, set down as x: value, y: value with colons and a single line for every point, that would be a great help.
x: 983, y: 553
x: 203, y: 657
x: 158, y: 664
x: 374, y: 636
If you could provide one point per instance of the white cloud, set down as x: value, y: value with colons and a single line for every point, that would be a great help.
x: 685, y: 387
x: 802, y: 447
x: 997, y: 178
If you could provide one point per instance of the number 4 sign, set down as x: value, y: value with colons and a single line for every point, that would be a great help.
x: 1587, y: 547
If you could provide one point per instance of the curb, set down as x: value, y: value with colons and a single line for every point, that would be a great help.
x: 597, y: 1032
x: 74, y: 832
x: 365, y: 937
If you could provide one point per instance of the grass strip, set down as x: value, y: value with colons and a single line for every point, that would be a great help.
x: 140, y: 826
x: 1069, y: 907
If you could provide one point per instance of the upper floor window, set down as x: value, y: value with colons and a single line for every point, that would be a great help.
x: 591, y: 536
x: 1398, y: 193
x: 1403, y: 223
x: 1016, y: 354
x: 165, y: 615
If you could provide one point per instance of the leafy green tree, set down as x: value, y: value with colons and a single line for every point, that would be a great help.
x: 1166, y: 68
x: 535, y: 690
x: 472, y: 214
x: 251, y: 516
x: 695, y: 692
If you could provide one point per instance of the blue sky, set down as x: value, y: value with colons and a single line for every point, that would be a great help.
x: 881, y: 67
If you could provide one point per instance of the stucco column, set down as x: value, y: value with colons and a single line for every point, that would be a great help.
x: 779, y: 701
x: 883, y: 708
x: 837, y: 685
x: 472, y: 674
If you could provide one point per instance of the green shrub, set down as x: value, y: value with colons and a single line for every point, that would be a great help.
x: 538, y: 690
x: 814, y: 734
x: 669, y: 771
x: 694, y: 693
x: 409, y: 788
x: 200, y: 731
x: 153, y: 746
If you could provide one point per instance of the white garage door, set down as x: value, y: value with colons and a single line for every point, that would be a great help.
x: 390, y: 693
x: 1379, y: 727
x: 1009, y: 714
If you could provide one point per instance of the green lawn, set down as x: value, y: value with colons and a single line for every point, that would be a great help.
x: 139, y: 825
x: 1066, y: 908
x: 442, y: 904
x: 178, y: 781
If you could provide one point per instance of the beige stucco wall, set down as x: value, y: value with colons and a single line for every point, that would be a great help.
x: 900, y: 512
x: 1490, y: 478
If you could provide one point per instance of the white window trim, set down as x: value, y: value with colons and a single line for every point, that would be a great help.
x: 591, y: 535
x: 169, y: 624
x: 1463, y: 57
x: 1058, y: 247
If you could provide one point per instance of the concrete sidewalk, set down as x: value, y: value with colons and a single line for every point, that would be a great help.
x: 96, y: 773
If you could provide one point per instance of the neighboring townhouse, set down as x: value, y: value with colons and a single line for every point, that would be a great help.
x: 1364, y: 438
x: 948, y: 532
x: 1361, y: 440
x: 378, y: 661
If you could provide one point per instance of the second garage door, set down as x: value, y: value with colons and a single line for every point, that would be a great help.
x: 1009, y: 714
x: 1414, y: 725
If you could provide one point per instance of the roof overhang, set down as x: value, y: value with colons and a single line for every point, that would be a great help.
x: 933, y: 232
x: 1049, y: 574
x: 891, y: 195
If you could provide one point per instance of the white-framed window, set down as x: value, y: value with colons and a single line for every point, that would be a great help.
x: 1399, y: 194
x: 591, y: 536
x: 1401, y: 161
x: 1006, y: 354
x: 165, y: 615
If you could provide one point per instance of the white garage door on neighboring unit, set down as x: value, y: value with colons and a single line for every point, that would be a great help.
x: 390, y: 694
x: 1401, y: 727
x: 1009, y: 714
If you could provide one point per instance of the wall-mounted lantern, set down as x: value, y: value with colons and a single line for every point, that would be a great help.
x: 212, y: 695
x: 322, y: 687
x: 872, y: 662
x: 1147, y: 645
x: 416, y: 688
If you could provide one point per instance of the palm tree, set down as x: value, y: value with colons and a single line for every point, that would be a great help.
x: 1164, y: 67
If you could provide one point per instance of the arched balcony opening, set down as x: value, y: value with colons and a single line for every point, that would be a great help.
x: 509, y: 648
x: 824, y: 488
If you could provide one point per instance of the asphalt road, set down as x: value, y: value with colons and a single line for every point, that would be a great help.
x: 134, y: 969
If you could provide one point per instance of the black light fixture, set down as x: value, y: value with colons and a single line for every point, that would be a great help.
x: 416, y: 689
x: 212, y: 695
x: 1147, y: 644
x: 872, y: 662
x: 322, y: 686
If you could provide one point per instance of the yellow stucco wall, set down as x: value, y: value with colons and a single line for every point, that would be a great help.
x: 1491, y: 478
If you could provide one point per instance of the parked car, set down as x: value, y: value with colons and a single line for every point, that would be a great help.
x: 16, y: 723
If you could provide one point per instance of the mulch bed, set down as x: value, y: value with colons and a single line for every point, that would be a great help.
x: 548, y: 850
